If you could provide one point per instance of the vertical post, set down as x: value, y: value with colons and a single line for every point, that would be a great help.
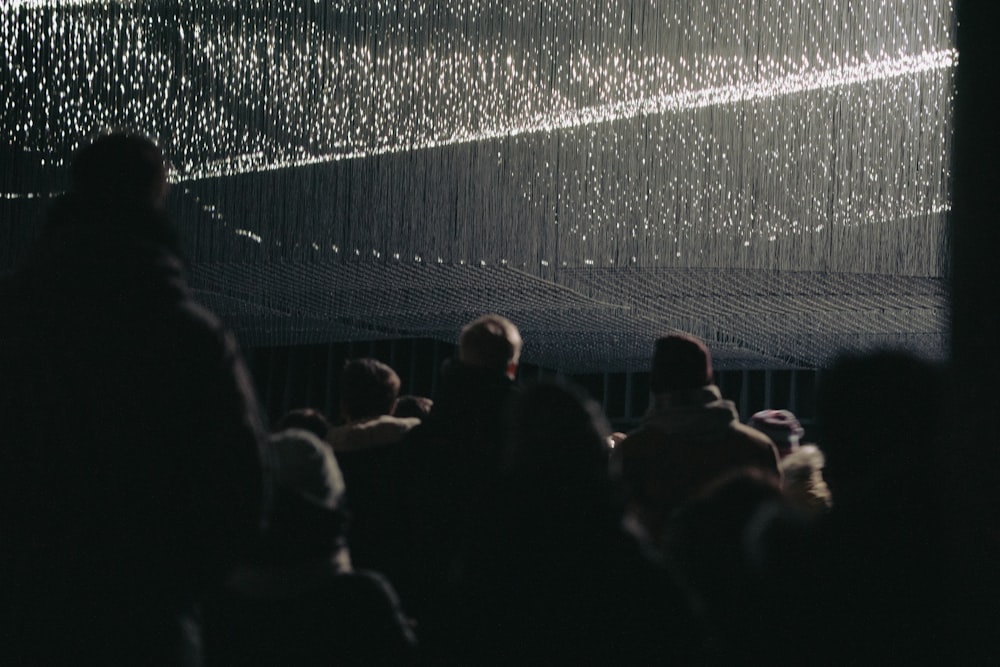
x: 410, y: 389
x: 973, y: 458
x: 606, y: 392
x: 629, y: 377
x: 768, y: 390
x: 793, y: 391
x: 744, y: 392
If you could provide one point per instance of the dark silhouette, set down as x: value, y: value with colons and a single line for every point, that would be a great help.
x: 368, y: 392
x: 877, y: 561
x: 689, y: 438
x: 707, y: 548
x: 299, y: 601
x: 367, y: 448
x: 554, y: 579
x: 130, y: 467
x: 453, y: 459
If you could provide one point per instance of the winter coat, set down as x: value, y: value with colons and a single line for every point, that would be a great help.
x: 452, y: 467
x: 306, y: 614
x: 130, y: 461
x: 372, y: 458
x: 687, y: 440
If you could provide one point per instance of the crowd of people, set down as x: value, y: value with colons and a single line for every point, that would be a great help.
x: 150, y: 517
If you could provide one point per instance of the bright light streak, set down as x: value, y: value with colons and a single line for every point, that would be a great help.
x: 791, y: 84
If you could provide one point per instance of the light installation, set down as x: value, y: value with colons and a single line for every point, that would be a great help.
x: 546, y: 137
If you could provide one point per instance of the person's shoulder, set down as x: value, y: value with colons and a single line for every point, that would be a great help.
x: 200, y: 316
x: 197, y: 324
x: 373, y: 601
x: 766, y: 454
x: 365, y: 582
x: 751, y: 435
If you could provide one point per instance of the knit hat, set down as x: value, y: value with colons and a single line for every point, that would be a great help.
x: 308, y: 519
x: 306, y: 468
x: 680, y: 362
x: 781, y: 426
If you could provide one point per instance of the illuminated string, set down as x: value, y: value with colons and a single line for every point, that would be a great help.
x: 741, y: 133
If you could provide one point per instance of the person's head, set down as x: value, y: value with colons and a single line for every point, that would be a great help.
x: 781, y: 426
x: 308, y: 520
x: 368, y: 389
x: 680, y: 363
x: 558, y: 436
x: 120, y: 170
x: 306, y: 419
x: 413, y: 406
x: 491, y: 342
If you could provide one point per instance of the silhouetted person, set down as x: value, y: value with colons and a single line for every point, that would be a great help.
x: 368, y: 393
x: 368, y: 448
x: 801, y: 465
x: 707, y: 547
x: 299, y: 601
x: 453, y: 460
x: 130, y: 463
x: 877, y: 560
x: 689, y: 438
x: 883, y: 419
x: 554, y: 580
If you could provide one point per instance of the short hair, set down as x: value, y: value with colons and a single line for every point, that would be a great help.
x: 121, y: 168
x: 368, y: 388
x: 413, y: 406
x: 490, y: 341
x: 680, y: 362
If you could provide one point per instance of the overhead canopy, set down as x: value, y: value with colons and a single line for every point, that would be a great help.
x: 769, y: 175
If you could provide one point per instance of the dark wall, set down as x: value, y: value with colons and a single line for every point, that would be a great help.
x: 973, y: 513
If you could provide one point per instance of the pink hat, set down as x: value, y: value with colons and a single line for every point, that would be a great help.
x: 781, y: 426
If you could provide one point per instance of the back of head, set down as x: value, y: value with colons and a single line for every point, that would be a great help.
x: 680, y: 363
x: 368, y: 389
x: 118, y: 187
x: 558, y: 437
x: 120, y: 170
x: 308, y: 518
x: 491, y: 342
x: 411, y: 406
